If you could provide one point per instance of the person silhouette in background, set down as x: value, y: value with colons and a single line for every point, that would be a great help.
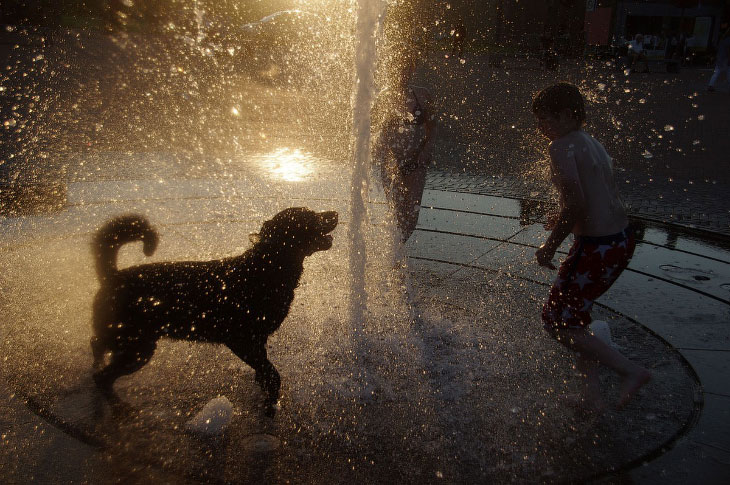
x: 404, y: 147
x: 636, y: 51
x: 722, y: 66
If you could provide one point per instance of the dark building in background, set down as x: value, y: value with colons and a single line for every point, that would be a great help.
x: 606, y: 20
x: 525, y: 24
x: 573, y: 24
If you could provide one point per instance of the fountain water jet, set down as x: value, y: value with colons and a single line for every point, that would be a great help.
x: 369, y: 19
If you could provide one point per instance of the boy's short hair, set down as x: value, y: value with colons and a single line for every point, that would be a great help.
x: 558, y: 97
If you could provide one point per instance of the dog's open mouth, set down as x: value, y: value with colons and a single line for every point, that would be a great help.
x: 327, y: 241
x: 328, y: 222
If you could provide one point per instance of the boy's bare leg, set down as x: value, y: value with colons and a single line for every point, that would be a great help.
x: 633, y: 375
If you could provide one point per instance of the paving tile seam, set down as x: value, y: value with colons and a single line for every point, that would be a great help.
x: 666, y: 212
x: 684, y: 251
x: 704, y: 350
x: 711, y: 445
x: 716, y: 394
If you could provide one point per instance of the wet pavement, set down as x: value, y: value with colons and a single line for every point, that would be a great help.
x: 459, y: 385
x: 676, y: 286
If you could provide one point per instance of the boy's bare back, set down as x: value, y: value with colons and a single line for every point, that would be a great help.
x: 579, y: 160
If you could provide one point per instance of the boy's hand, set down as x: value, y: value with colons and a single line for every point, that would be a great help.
x: 545, y: 257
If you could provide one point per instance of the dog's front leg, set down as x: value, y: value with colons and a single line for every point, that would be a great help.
x: 270, y: 381
x: 266, y: 374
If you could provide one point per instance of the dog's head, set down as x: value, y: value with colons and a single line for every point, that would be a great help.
x: 299, y: 228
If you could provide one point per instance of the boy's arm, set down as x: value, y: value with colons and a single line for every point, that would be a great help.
x: 570, y: 212
x: 571, y: 207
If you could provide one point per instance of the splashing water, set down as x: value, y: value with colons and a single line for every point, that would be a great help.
x: 370, y: 13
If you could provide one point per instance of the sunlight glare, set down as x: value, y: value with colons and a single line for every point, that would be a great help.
x: 289, y: 165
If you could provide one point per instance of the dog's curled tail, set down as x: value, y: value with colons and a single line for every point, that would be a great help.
x: 117, y: 232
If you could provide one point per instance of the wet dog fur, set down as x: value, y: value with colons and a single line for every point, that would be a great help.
x: 237, y: 301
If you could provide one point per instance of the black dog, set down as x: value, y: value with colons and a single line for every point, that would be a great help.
x: 237, y: 301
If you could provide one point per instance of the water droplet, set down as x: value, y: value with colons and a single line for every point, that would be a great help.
x: 668, y: 128
x: 646, y: 154
x: 642, y: 101
x: 602, y: 86
x: 9, y: 123
x: 700, y: 117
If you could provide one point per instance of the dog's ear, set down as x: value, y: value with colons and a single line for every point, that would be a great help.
x: 254, y: 237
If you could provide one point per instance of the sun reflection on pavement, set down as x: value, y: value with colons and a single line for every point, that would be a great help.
x: 289, y: 165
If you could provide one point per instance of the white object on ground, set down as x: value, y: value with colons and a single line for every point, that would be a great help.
x: 213, y: 419
x: 600, y: 329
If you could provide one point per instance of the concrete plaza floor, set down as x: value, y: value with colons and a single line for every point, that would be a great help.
x: 466, y: 391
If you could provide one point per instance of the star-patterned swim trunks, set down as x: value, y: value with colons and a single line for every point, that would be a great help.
x: 592, y: 266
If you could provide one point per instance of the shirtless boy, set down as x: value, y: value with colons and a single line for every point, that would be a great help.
x: 591, y: 209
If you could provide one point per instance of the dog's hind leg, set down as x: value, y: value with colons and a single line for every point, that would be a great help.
x: 123, y: 362
x: 101, y: 325
x: 98, y: 349
x: 266, y: 374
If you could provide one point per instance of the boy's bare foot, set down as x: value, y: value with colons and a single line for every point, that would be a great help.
x: 631, y: 384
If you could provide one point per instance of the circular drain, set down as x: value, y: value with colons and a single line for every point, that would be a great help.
x: 261, y: 443
x: 689, y: 275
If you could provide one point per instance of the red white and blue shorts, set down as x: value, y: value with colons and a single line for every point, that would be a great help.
x: 592, y: 266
